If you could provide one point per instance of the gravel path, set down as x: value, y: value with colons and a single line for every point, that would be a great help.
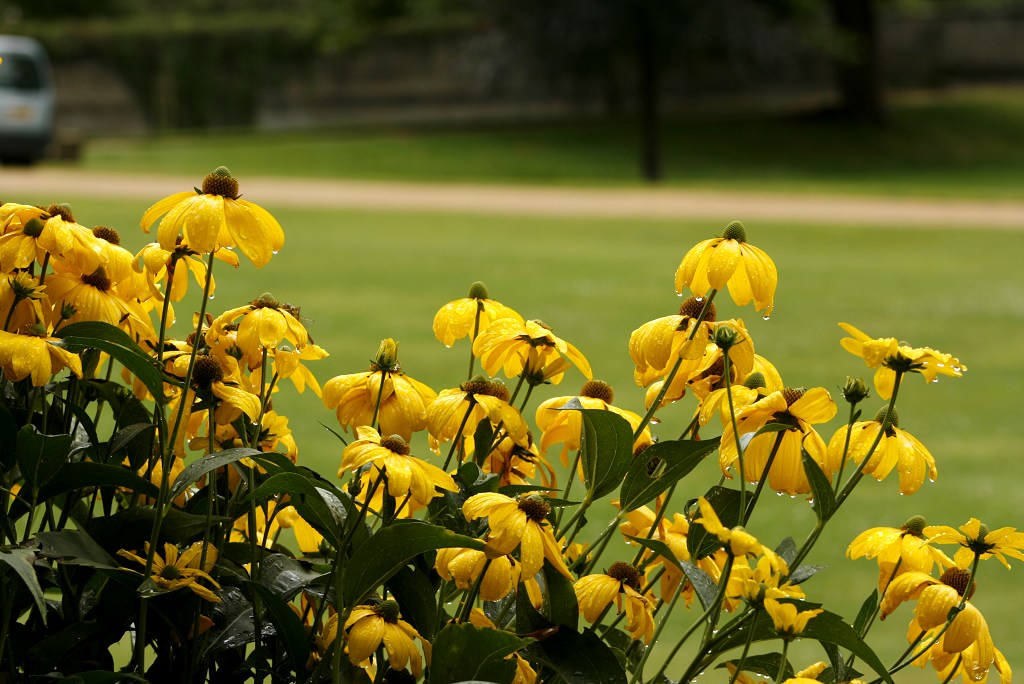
x: 664, y: 203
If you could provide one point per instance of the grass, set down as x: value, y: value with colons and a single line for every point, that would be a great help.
x: 361, y: 276
x: 965, y: 144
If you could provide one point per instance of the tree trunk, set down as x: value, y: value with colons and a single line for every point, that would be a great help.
x: 647, y: 94
x: 859, y: 69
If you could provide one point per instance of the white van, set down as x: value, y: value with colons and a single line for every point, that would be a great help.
x: 27, y: 100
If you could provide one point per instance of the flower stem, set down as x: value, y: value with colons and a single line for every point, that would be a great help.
x: 749, y: 510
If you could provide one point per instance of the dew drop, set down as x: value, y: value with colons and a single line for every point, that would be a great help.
x: 766, y: 316
x: 698, y: 299
x: 274, y: 252
x: 679, y: 294
x: 212, y: 296
x: 447, y: 346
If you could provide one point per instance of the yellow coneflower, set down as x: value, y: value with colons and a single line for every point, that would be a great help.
x: 518, y: 524
x: 514, y: 345
x: 464, y: 317
x: 463, y: 566
x: 368, y: 626
x: 975, y: 539
x: 261, y: 325
x: 898, y: 550
x: 595, y: 593
x: 730, y: 261
x: 788, y: 619
x: 35, y: 354
x: 173, y: 571
x: 215, y: 217
x: 406, y: 475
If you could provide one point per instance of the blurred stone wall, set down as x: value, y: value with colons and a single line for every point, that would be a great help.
x: 464, y: 76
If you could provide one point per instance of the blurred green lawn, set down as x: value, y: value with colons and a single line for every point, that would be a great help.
x: 964, y: 144
x: 360, y: 276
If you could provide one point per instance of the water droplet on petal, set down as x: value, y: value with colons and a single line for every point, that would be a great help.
x: 212, y: 296
x: 766, y: 316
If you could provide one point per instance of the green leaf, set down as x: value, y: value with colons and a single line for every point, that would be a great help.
x: 786, y: 550
x: 679, y: 457
x: 197, y: 469
x: 105, y: 337
x: 387, y: 551
x: 414, y: 591
x: 560, y: 605
x: 483, y: 436
x: 126, y: 436
x: 580, y: 658
x: 288, y: 626
x: 726, y: 503
x: 41, y: 456
x: 867, y: 611
x: 74, y: 547
x: 285, y: 576
x: 21, y: 560
x: 233, y: 624
x: 702, y: 582
x: 804, y: 573
x: 832, y: 628
x: 82, y: 474
x: 103, y: 677
x: 824, y: 502
x: 606, y: 448
x: 766, y: 664
x: 463, y: 652
x: 317, y: 506
x: 657, y: 546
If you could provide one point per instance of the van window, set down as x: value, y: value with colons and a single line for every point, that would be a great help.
x: 19, y: 72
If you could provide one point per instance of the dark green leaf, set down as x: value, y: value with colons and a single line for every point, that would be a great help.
x: 766, y: 664
x: 824, y: 502
x: 197, y: 469
x: 416, y: 594
x: 679, y: 458
x: 836, y: 659
x: 384, y: 554
x: 702, y: 582
x: 41, y: 456
x: 867, y: 611
x: 285, y: 576
x: 831, y: 628
x: 74, y: 547
x: 317, y: 506
x: 726, y: 503
x: 463, y: 652
x: 21, y: 560
x: 560, y: 605
x: 657, y: 546
x: 126, y: 436
x: 233, y: 624
x: 579, y: 658
x: 804, y: 573
x: 105, y: 337
x: 104, y: 677
x: 606, y: 448
x: 786, y: 550
x: 287, y: 625
x: 483, y: 437
x: 82, y: 474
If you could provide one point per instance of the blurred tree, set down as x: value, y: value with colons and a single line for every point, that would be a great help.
x: 591, y: 40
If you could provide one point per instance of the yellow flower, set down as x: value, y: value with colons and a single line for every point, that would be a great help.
x: 515, y: 345
x: 889, y: 356
x: 656, y: 345
x: 173, y: 571
x: 35, y: 354
x: 519, y: 465
x: 459, y: 411
x: 794, y: 407
x: 368, y: 626
x: 736, y: 541
x: 595, y: 593
x: 93, y: 297
x: 468, y: 316
x: 521, y: 524
x: 288, y: 365
x: 403, y: 401
x: 260, y: 325
x: 406, y: 475
x: 465, y: 565
x: 972, y: 663
x: 306, y: 537
x: 975, y: 538
x: 215, y: 217
x: 760, y: 382
x: 788, y: 621
x: 898, y: 550
x: 730, y: 261
x: 898, y: 449
x: 764, y: 580
x: 159, y: 264
x: 30, y: 233
x: 525, y: 673
x: 935, y: 599
x: 22, y: 292
x: 564, y: 426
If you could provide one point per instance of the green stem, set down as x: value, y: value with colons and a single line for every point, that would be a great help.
x: 846, y: 446
x: 380, y: 396
x: 716, y: 607
x: 749, y: 510
x: 727, y: 374
x: 782, y: 662
x: 470, y: 598
x: 638, y: 673
x: 746, y: 650
x: 472, y: 339
x: 659, y: 515
x: 457, y: 439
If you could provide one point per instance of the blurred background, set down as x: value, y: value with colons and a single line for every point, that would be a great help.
x: 832, y: 104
